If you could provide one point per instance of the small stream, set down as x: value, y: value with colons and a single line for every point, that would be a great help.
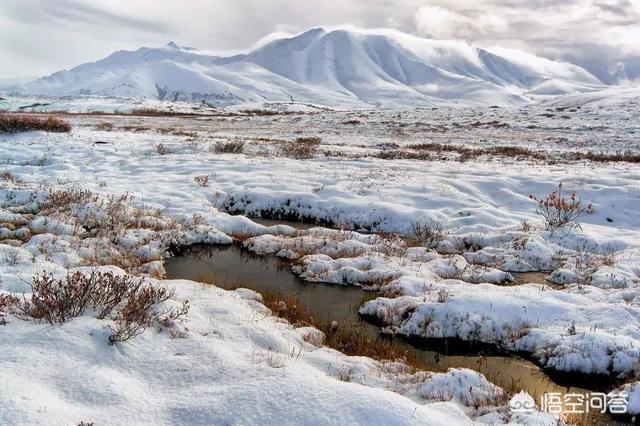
x: 231, y: 266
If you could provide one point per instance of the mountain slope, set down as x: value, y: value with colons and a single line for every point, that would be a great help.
x: 336, y: 68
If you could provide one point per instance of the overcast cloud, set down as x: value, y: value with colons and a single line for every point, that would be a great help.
x: 38, y: 37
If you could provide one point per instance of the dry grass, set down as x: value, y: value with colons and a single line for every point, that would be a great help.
x: 592, y: 418
x: 401, y: 154
x: 152, y: 112
x: 7, y: 304
x: 161, y: 149
x: 202, y: 180
x: 10, y: 177
x: 231, y: 147
x: 17, y: 123
x: 511, y: 151
x: 429, y: 232
x: 177, y: 132
x: 468, y: 153
x: 105, y: 126
x: 135, y: 128
x: 391, y: 245
x: 350, y: 341
x: 264, y: 112
x: 61, y: 200
x: 599, y: 157
x: 302, y: 148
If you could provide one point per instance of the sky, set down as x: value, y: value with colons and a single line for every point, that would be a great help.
x: 39, y: 37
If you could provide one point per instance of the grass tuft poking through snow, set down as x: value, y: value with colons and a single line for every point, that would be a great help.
x: 302, y: 148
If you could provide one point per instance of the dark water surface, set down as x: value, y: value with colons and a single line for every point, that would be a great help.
x: 231, y: 266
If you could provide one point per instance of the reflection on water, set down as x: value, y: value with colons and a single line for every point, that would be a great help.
x: 230, y: 266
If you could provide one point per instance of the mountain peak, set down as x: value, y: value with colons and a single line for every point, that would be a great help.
x: 174, y: 46
x: 313, y: 32
x: 301, y: 39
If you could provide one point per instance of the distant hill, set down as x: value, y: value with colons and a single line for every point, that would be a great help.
x: 334, y: 68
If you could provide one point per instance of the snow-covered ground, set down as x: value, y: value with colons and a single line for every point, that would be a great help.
x: 231, y: 363
x: 234, y: 354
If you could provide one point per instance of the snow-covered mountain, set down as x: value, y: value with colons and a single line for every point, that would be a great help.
x: 337, y: 67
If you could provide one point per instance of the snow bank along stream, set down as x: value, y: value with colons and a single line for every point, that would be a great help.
x: 231, y: 266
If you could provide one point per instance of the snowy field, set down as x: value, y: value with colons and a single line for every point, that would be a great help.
x: 373, y: 177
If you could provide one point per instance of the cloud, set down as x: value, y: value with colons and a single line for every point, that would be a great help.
x: 438, y: 22
x: 73, y: 13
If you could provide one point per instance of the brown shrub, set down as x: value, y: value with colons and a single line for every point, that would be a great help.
x: 429, y: 232
x: 135, y: 128
x: 136, y: 305
x: 515, y: 151
x: 142, y: 310
x: 178, y: 132
x: 468, y: 153
x: 559, y: 211
x: 520, y: 152
x: 440, y: 147
x: 57, y: 300
x: 105, y: 126
x: 231, y: 147
x: 402, y: 154
x: 60, y: 200
x: 118, y: 217
x: 108, y: 291
x: 154, y: 112
x: 16, y: 123
x: 203, y: 180
x: 149, y: 112
x: 266, y: 112
x: 7, y: 304
x: 302, y: 148
x: 8, y: 176
x: 391, y: 245
x: 161, y: 149
x: 443, y: 295
x: 600, y: 157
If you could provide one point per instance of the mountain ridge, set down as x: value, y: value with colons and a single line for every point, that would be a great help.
x: 336, y: 68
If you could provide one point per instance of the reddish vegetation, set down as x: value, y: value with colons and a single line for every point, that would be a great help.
x: 7, y: 303
x: 558, y: 210
x: 133, y: 304
x: 16, y: 123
